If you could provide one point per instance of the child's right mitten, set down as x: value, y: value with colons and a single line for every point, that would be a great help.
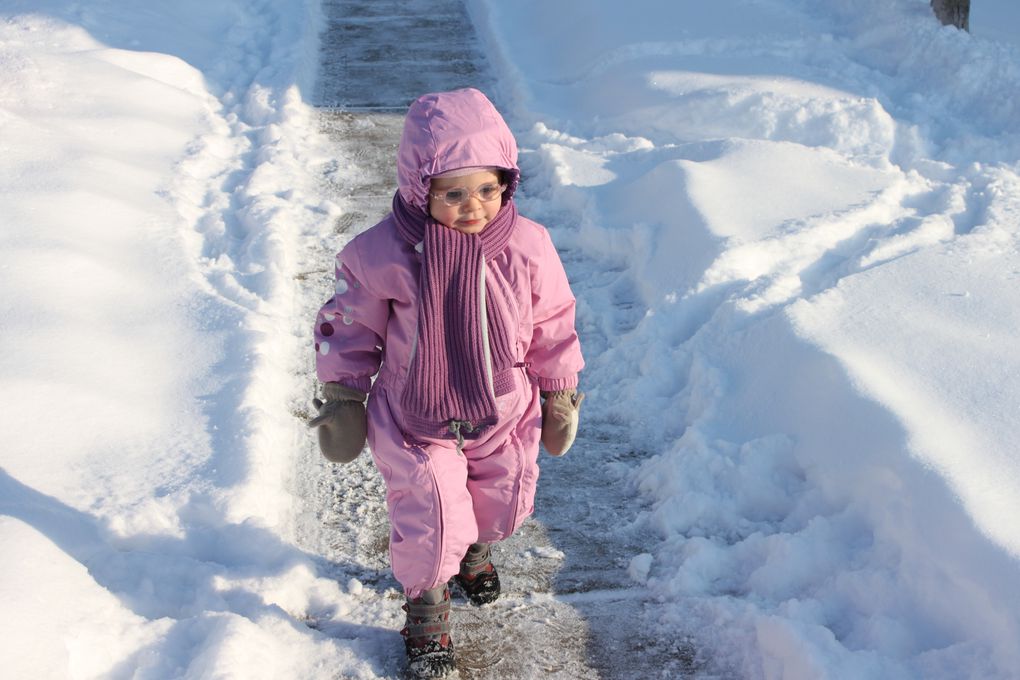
x: 560, y: 412
x: 341, y: 422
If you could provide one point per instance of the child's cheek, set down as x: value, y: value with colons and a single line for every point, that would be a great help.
x: 445, y: 216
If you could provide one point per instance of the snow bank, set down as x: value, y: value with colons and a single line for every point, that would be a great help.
x: 158, y: 165
x: 793, y: 233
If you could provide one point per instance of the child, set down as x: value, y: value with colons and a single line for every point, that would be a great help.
x: 462, y: 311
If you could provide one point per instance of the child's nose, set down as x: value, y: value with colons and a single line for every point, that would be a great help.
x: 471, y: 203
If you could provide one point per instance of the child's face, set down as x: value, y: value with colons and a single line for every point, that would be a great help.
x: 471, y: 216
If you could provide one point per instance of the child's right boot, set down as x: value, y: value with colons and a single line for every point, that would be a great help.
x: 478, y: 577
x: 427, y: 634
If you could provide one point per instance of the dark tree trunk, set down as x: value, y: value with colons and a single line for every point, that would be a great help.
x: 953, y: 12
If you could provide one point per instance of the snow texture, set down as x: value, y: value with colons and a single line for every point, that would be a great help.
x: 792, y: 227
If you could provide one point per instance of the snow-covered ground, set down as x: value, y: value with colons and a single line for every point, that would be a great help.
x: 792, y: 226
x: 812, y: 215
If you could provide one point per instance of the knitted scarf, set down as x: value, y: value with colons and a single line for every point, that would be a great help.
x: 463, y: 358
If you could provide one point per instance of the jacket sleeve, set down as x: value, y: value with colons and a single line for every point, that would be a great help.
x: 350, y: 328
x: 554, y: 356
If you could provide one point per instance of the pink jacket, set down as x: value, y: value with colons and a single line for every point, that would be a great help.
x: 377, y: 277
x: 371, y: 322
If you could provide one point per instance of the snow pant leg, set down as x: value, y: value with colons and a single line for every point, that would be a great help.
x: 432, y: 521
x: 502, y: 472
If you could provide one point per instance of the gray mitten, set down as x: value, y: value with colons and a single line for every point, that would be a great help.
x: 341, y: 422
x: 560, y: 412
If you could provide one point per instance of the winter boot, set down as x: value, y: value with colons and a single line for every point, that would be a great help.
x: 427, y: 634
x: 478, y: 577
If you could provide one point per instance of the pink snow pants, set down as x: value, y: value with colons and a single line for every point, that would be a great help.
x: 440, y: 501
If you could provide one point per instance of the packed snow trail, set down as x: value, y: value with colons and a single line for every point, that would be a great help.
x: 569, y: 608
x: 792, y: 227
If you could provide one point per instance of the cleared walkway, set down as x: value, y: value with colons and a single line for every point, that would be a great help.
x: 570, y: 609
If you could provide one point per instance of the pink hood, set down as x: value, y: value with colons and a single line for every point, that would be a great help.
x: 445, y: 131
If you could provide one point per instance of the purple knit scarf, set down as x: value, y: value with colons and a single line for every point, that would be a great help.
x: 454, y: 375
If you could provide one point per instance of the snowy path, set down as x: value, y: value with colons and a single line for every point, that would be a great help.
x: 570, y: 608
x: 792, y: 227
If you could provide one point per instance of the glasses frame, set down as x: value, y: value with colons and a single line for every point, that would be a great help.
x: 473, y: 193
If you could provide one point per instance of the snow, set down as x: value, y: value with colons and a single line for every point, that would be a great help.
x: 792, y: 231
x: 149, y: 194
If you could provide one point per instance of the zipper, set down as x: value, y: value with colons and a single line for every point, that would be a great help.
x: 439, y: 511
x: 515, y: 312
x: 518, y: 478
x: 485, y: 329
x: 414, y: 344
x: 417, y: 306
x: 508, y: 295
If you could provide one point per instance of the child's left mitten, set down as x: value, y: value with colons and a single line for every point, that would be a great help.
x: 341, y: 422
x: 560, y: 412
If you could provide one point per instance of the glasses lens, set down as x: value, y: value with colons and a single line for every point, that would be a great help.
x: 455, y: 196
x: 489, y: 192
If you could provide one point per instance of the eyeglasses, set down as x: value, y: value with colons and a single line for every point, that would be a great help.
x: 460, y: 195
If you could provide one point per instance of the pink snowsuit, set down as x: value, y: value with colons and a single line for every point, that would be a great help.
x: 440, y: 500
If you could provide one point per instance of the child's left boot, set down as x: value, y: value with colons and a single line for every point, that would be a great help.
x: 427, y: 634
x: 478, y: 577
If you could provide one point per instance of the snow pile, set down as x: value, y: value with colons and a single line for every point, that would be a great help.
x: 792, y: 229
x: 158, y: 163
x: 806, y: 215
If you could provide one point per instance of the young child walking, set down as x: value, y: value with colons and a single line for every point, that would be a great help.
x: 460, y: 309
